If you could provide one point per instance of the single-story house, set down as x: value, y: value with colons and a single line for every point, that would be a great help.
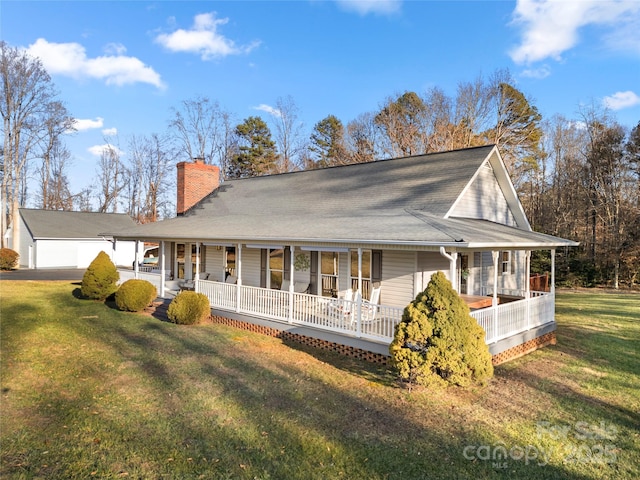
x: 332, y: 256
x: 63, y: 239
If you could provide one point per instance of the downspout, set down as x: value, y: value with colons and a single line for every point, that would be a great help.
x: 452, y: 267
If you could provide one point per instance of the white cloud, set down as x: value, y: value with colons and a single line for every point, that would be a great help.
x: 82, y: 124
x: 98, y: 150
x: 550, y: 27
x: 364, y: 7
x: 268, y: 109
x: 541, y: 72
x: 620, y: 100
x: 203, y: 38
x: 70, y: 59
x: 110, y: 132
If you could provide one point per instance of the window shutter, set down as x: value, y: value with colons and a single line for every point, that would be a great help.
x: 313, y: 280
x: 263, y: 267
x: 286, y: 258
x: 203, y: 258
x: 376, y: 267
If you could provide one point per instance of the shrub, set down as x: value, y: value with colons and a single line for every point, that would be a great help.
x: 100, y: 279
x: 134, y: 295
x: 8, y: 259
x: 188, y: 308
x: 438, y: 341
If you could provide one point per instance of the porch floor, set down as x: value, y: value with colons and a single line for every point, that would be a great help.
x: 476, y: 301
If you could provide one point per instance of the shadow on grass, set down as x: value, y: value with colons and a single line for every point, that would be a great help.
x: 199, y: 402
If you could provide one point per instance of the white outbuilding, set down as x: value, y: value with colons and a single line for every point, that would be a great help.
x: 62, y: 239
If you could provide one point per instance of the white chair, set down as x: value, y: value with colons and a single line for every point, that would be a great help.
x: 341, y: 307
x: 370, y: 307
x: 231, y: 279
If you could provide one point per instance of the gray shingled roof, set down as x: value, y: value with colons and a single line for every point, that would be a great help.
x: 400, y: 200
x: 58, y: 224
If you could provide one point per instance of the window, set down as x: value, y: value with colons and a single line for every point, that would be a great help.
x: 366, y: 272
x: 229, y: 261
x: 329, y: 272
x: 505, y: 259
x: 276, y: 268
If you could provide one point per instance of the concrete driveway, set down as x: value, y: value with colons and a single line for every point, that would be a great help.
x: 43, y: 274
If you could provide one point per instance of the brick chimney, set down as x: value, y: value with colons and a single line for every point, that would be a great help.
x: 195, y: 181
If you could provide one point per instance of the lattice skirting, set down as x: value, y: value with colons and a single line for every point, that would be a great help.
x: 502, y: 357
x: 524, y: 348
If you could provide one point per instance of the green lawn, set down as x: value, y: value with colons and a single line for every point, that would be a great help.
x: 91, y: 392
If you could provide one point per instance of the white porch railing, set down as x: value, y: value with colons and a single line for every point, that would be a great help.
x: 515, y: 317
x: 354, y: 319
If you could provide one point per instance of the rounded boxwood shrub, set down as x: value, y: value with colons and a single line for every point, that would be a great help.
x: 438, y: 342
x: 8, y: 259
x: 100, y: 279
x: 189, y: 308
x: 134, y: 295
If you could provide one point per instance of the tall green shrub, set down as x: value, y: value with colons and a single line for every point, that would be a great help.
x: 188, y: 308
x: 438, y: 341
x: 8, y: 259
x: 100, y: 279
x: 134, y: 295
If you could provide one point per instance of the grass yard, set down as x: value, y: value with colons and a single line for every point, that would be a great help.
x: 91, y: 392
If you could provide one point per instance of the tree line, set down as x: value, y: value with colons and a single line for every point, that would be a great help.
x: 576, y: 178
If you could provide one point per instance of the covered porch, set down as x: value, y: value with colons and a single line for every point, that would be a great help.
x: 503, y: 313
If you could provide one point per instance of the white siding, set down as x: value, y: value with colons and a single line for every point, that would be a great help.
x: 303, y: 276
x: 430, y: 263
x: 485, y: 200
x: 251, y: 267
x: 214, y: 266
x: 25, y: 243
x: 397, y: 278
x: 57, y: 254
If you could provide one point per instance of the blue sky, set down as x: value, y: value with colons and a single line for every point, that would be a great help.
x: 120, y: 66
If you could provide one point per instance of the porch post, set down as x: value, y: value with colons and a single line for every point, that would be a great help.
x: 187, y: 262
x: 494, y: 304
x: 291, y: 281
x: 197, y: 275
x: 136, y: 267
x: 454, y: 271
x: 527, y: 283
x: 162, y: 267
x: 238, y: 275
x: 552, y: 287
x: 359, y: 269
x: 527, y: 286
x: 495, y: 255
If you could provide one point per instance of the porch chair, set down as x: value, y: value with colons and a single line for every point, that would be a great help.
x: 340, y: 307
x: 370, y: 307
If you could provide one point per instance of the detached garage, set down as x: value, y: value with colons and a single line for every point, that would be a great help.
x: 57, y: 239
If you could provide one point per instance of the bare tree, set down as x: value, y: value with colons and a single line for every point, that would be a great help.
x: 110, y: 179
x: 362, y: 138
x: 54, y: 157
x: 201, y: 129
x: 288, y: 134
x: 54, y: 184
x: 402, y: 123
x: 149, y: 177
x: 26, y: 97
